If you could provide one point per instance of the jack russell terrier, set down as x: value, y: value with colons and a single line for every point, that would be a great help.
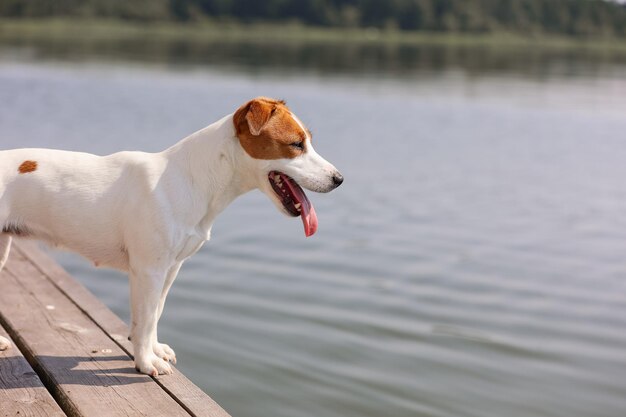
x: 146, y: 213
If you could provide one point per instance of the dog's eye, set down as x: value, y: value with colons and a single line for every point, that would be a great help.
x: 299, y: 145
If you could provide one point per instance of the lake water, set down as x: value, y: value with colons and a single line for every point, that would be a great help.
x: 472, y: 264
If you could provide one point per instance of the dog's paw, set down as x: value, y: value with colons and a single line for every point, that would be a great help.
x: 4, y: 343
x: 152, y: 365
x: 165, y: 352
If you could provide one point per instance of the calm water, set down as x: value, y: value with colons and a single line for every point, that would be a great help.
x: 472, y: 264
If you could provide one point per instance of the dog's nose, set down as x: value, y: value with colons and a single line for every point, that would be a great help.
x: 337, y: 179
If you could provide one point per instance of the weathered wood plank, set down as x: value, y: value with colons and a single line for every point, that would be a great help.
x: 87, y: 373
x: 192, y: 398
x: 22, y: 394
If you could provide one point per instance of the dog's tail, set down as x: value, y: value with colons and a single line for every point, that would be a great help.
x: 5, y: 248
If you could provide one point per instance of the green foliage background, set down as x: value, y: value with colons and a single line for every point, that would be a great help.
x: 571, y: 17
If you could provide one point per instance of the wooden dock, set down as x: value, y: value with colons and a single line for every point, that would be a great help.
x: 70, y: 353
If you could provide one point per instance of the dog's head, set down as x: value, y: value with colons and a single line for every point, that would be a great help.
x: 284, y: 160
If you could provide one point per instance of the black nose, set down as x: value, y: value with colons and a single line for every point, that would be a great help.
x: 337, y: 179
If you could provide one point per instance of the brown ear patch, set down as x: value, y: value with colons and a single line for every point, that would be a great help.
x: 27, y: 166
x: 266, y: 129
x: 258, y: 115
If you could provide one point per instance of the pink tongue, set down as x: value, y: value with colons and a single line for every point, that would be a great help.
x: 307, y: 211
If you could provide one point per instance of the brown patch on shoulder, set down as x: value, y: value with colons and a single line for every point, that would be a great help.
x: 27, y: 166
x: 266, y: 129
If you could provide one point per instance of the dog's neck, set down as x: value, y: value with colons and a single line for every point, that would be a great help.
x: 217, y: 166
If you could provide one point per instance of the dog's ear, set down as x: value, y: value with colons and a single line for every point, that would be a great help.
x: 256, y: 113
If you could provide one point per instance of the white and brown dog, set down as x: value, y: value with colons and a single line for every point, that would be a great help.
x: 146, y: 213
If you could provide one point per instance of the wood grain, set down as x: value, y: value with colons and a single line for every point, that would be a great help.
x: 21, y: 391
x: 188, y: 395
x: 87, y: 373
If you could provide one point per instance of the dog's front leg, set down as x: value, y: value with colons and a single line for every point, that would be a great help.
x: 145, y: 294
x: 163, y: 350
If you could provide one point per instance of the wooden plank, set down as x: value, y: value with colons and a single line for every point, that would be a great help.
x: 21, y: 391
x: 87, y: 373
x: 192, y: 398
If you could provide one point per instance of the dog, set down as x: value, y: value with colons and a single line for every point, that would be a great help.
x: 146, y: 213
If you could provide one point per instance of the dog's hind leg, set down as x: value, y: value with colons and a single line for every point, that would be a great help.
x: 5, y: 248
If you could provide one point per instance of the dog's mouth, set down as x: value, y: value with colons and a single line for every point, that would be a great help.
x: 294, y: 200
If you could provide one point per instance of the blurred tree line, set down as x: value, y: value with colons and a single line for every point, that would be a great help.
x: 573, y: 17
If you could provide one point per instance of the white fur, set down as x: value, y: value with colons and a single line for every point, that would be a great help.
x: 4, y: 343
x: 144, y: 213
x: 5, y: 248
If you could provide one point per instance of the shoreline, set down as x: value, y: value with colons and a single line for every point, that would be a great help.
x: 102, y: 30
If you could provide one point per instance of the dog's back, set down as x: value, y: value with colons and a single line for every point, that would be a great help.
x: 71, y: 199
